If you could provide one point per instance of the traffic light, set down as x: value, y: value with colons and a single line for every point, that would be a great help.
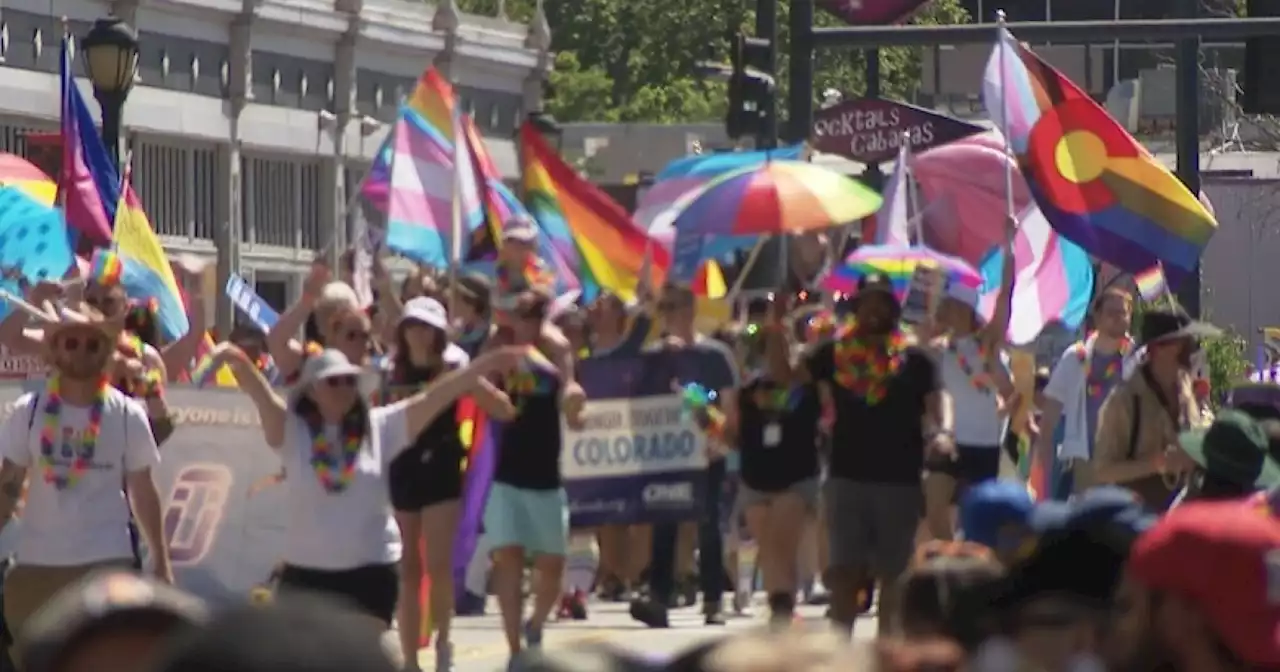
x: 1260, y: 85
x: 751, y: 86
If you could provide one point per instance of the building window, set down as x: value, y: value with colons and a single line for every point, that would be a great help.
x: 281, y: 202
x: 177, y: 184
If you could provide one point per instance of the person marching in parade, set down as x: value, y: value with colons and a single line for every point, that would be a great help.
x: 340, y: 322
x: 1081, y: 380
x: 83, y: 438
x: 777, y: 437
x: 427, y: 478
x: 890, y: 410
x: 976, y: 375
x: 342, y: 539
x: 528, y: 513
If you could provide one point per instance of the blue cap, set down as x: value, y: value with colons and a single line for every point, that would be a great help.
x: 1111, y: 507
x: 993, y: 506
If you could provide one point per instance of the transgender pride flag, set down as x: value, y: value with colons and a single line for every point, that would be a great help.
x: 1053, y: 279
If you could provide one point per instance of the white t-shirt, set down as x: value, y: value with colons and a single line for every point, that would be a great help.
x: 975, y: 412
x: 89, y: 521
x: 343, y: 530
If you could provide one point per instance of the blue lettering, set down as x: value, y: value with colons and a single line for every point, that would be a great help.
x: 640, y: 449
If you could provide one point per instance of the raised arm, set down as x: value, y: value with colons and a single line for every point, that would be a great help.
x: 157, y: 406
x: 179, y: 354
x: 495, y: 402
x: 270, y: 406
x: 281, y: 342
x: 995, y: 330
x: 13, y: 329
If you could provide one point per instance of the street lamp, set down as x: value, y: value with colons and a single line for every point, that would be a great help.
x: 111, y: 59
x: 546, y: 124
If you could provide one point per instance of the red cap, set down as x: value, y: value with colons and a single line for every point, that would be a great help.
x: 1225, y: 558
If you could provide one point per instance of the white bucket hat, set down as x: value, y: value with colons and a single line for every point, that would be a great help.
x: 426, y: 310
x: 330, y: 363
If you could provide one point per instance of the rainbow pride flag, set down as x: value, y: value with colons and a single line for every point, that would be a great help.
x: 1097, y: 185
x: 594, y: 234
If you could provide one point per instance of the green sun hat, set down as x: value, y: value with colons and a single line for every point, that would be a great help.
x: 1234, y: 448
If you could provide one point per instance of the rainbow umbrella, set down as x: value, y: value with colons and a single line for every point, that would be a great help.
x: 18, y: 173
x: 899, y: 263
x: 776, y: 197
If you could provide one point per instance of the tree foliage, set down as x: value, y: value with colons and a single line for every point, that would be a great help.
x: 637, y: 60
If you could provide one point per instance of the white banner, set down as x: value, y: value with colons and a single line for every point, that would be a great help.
x: 632, y: 437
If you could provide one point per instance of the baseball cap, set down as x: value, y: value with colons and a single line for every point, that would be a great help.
x: 1078, y: 548
x: 963, y: 293
x: 1223, y: 556
x: 520, y: 228
x: 1235, y: 449
x: 876, y: 282
x: 425, y: 310
x: 97, y: 601
x: 296, y: 633
x: 993, y: 508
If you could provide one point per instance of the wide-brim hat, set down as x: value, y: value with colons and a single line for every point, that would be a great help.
x: 1163, y: 324
x: 57, y: 318
x: 1235, y: 449
x: 330, y: 363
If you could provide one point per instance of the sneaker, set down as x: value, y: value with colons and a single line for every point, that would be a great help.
x: 649, y: 612
x: 714, y: 613
x: 444, y: 657
x: 578, y: 605
x: 532, y: 635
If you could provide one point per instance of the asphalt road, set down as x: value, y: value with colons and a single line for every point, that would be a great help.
x: 479, y: 645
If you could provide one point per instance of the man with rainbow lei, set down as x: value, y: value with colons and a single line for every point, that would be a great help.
x: 890, y: 411
x: 1083, y: 377
x: 82, y: 438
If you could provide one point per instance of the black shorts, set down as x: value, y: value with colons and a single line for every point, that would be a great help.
x: 973, y: 465
x: 371, y: 589
x: 421, y: 478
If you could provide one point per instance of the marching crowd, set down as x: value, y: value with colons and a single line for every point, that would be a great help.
x: 887, y: 439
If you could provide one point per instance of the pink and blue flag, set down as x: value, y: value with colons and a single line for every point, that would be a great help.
x: 1053, y: 279
x: 421, y: 194
x: 90, y: 182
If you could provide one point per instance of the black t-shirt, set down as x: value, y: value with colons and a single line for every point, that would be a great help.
x: 441, y: 437
x: 881, y: 442
x: 777, y: 434
x: 529, y: 445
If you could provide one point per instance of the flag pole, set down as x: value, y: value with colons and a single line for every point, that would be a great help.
x: 1002, y: 36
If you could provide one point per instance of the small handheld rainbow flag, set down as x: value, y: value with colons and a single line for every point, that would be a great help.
x: 107, y: 267
x: 1151, y: 283
x: 204, y: 372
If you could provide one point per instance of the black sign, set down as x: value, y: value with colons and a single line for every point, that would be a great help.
x: 871, y: 130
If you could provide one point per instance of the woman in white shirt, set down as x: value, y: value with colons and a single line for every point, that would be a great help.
x: 342, y: 539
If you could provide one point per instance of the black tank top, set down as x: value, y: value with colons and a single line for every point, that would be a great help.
x: 778, y: 434
x: 441, y: 436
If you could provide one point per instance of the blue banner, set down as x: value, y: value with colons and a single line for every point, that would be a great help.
x: 639, y: 458
x: 253, y: 306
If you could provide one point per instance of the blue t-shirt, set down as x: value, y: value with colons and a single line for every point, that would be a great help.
x: 1104, y: 374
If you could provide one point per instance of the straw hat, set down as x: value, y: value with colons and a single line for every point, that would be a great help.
x: 55, y: 318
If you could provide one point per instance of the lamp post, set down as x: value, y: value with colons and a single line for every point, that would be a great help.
x: 111, y: 59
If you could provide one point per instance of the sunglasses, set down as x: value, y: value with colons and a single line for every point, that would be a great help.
x: 91, y: 345
x: 340, y: 382
x: 356, y: 335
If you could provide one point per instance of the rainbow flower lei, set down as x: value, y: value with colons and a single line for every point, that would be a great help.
x: 51, y: 430
x: 865, y: 369
x: 981, y: 379
x: 335, y: 471
x: 1084, y: 353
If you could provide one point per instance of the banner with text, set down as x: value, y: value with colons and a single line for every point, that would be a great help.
x: 639, y: 458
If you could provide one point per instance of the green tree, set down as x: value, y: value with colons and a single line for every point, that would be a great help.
x: 637, y: 60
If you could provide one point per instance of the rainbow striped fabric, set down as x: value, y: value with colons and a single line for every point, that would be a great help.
x: 89, y: 179
x: 1151, y: 283
x: 1097, y: 185
x: 594, y: 235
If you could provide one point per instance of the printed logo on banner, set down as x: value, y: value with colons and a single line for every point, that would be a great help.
x: 659, y: 494
x: 196, y: 506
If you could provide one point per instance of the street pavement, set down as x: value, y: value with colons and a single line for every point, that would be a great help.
x: 480, y: 647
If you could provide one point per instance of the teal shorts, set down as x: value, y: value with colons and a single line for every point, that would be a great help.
x: 535, y: 520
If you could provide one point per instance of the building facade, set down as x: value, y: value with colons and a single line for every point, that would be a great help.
x: 253, y: 122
